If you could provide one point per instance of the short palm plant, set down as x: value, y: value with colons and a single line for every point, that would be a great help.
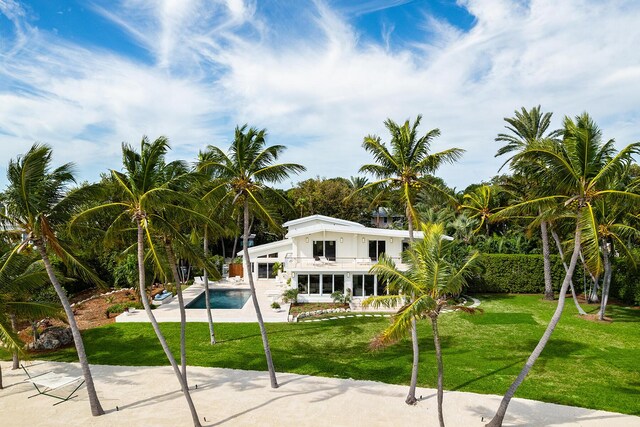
x: 430, y: 280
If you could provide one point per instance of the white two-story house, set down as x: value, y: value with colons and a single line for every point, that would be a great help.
x: 323, y: 255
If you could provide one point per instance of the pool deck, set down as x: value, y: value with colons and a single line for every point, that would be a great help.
x: 170, y: 312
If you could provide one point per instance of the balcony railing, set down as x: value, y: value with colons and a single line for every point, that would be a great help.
x: 338, y: 264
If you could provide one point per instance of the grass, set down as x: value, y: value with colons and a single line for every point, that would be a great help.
x: 588, y: 364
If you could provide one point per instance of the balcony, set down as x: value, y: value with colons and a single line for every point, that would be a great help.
x: 321, y: 264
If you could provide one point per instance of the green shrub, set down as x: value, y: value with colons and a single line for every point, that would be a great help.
x: 625, y: 281
x: 119, y: 308
x: 290, y: 296
x: 125, y: 272
x: 517, y: 273
x: 340, y: 298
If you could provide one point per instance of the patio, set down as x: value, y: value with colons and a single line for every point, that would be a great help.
x: 266, y: 290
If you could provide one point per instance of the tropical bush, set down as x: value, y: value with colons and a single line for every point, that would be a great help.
x: 339, y: 297
x: 218, y: 262
x: 125, y: 272
x: 120, y: 307
x: 625, y: 281
x: 290, y: 296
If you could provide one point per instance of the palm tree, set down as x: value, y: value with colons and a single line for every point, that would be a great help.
x: 146, y: 189
x: 244, y: 174
x: 403, y: 167
x: 170, y: 226
x: 583, y: 168
x: 556, y: 238
x: 217, y: 214
x: 430, y: 279
x: 480, y: 204
x: 611, y: 229
x: 18, y: 275
x: 39, y: 206
x: 529, y: 128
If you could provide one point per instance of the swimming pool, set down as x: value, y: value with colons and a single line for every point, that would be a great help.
x: 222, y: 299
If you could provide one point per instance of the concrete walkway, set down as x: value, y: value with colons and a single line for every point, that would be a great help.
x: 265, y: 290
x: 225, y: 397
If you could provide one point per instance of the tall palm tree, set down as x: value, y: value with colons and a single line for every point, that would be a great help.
x: 526, y: 128
x: 583, y: 168
x: 171, y: 226
x: 19, y: 274
x: 244, y: 174
x: 217, y: 214
x: 145, y: 189
x: 403, y: 166
x: 430, y: 279
x: 39, y: 206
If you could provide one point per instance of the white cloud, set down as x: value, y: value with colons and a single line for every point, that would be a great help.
x: 320, y: 92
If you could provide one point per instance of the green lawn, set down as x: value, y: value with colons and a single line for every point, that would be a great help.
x: 586, y: 363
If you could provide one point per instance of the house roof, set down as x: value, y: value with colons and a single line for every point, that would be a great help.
x: 268, y: 248
x: 361, y: 230
x: 322, y: 218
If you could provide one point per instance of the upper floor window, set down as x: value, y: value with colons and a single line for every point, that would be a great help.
x: 324, y: 248
x: 376, y: 248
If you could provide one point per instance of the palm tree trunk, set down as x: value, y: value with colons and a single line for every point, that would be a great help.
x: 94, y: 402
x: 593, y: 295
x: 411, y: 396
x: 1, y: 386
x: 254, y: 297
x: 15, y: 357
x: 205, y: 277
x: 606, y: 282
x: 502, y: 410
x: 566, y: 268
x: 171, y: 258
x: 436, y: 343
x: 235, y: 241
x: 548, y: 285
x: 156, y: 327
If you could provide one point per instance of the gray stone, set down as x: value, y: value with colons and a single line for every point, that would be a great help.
x: 52, y: 338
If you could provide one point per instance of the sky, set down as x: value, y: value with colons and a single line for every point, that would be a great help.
x: 84, y: 76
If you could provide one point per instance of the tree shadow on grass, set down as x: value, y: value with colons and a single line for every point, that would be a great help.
x: 500, y: 319
x: 488, y: 374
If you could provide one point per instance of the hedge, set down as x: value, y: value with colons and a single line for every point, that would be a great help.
x: 625, y: 281
x: 517, y: 273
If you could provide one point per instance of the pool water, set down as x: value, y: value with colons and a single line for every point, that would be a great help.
x: 222, y: 299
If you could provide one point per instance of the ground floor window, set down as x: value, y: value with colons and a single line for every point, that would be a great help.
x: 320, y: 284
x: 365, y: 285
x: 265, y: 270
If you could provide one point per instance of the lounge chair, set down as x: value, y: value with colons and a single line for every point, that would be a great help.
x: 326, y: 261
x: 163, y: 297
x: 50, y: 381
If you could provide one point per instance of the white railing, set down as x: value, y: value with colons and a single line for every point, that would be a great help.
x: 339, y: 263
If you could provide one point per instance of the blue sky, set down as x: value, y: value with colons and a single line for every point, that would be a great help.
x: 84, y: 76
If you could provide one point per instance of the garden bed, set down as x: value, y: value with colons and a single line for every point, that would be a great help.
x: 306, y: 307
